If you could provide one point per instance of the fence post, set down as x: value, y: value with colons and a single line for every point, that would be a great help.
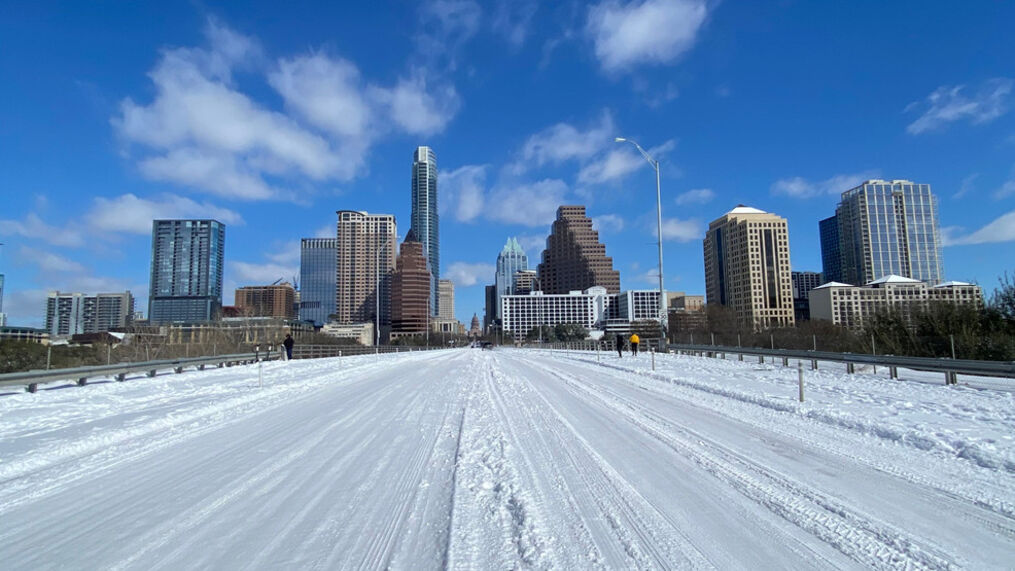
x: 49, y: 355
x: 652, y: 351
x: 800, y: 374
x: 953, y: 346
x: 771, y: 337
x: 814, y: 340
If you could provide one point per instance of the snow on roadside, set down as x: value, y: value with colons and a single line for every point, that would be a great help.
x: 54, y: 436
x: 973, y: 424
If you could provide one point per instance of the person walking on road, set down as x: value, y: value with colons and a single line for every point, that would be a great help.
x: 620, y: 346
x: 288, y: 344
x: 634, y: 344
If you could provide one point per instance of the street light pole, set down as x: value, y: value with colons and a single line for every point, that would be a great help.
x: 659, y: 228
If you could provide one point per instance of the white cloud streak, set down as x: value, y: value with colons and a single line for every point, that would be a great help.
x: 949, y: 104
x: 465, y: 274
x: 696, y: 196
x: 799, y: 187
x: 134, y: 215
x: 649, y: 32
x: 1001, y: 229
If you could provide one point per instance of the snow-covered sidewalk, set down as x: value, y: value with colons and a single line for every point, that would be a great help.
x: 507, y: 459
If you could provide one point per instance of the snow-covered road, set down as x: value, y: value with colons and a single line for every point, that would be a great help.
x: 507, y: 459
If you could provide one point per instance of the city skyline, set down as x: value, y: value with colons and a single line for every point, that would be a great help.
x: 213, y: 114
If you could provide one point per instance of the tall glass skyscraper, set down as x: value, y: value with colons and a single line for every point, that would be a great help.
x: 888, y: 227
x: 831, y: 261
x: 510, y: 260
x: 317, y: 279
x: 186, y: 277
x: 424, y: 221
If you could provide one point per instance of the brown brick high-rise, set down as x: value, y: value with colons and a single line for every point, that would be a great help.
x: 410, y: 289
x: 574, y: 258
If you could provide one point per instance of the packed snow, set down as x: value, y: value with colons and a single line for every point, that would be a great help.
x: 470, y: 459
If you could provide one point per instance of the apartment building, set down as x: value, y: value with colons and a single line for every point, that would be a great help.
x: 851, y: 306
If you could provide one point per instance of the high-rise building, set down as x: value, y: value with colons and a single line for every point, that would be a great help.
x: 424, y: 221
x: 886, y: 228
x: 266, y: 301
x: 574, y: 258
x: 3, y: 316
x: 74, y: 313
x: 747, y: 266
x: 803, y: 283
x: 410, y: 289
x: 186, y: 276
x: 525, y: 281
x: 831, y: 259
x: 446, y: 303
x: 317, y: 279
x: 511, y: 259
x: 365, y: 258
x: 490, y: 307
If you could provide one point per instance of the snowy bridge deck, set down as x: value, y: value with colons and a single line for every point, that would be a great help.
x: 473, y: 459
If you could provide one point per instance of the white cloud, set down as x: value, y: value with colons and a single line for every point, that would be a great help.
x: 652, y: 31
x: 608, y: 223
x: 48, y: 262
x: 675, y: 229
x: 512, y: 20
x: 1001, y: 229
x: 696, y: 196
x: 464, y: 274
x: 619, y: 163
x: 417, y: 109
x: 533, y: 244
x: 799, y: 187
x: 246, y: 273
x: 129, y: 213
x: 34, y: 228
x: 967, y: 185
x: 532, y: 204
x: 948, y: 104
x: 462, y: 192
x: 1007, y: 189
x: 326, y: 91
x: 327, y: 231
x: 563, y: 142
x: 445, y: 27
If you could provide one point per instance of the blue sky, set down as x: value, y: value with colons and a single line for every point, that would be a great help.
x: 271, y: 117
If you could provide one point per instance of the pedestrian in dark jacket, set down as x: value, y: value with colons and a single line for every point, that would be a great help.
x: 620, y: 346
x: 288, y: 344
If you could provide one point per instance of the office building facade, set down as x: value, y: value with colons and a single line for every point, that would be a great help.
x: 525, y: 281
x: 75, y: 313
x: 266, y: 301
x: 746, y: 255
x: 425, y: 222
x: 831, y: 259
x: 595, y: 309
x: 887, y: 228
x: 446, y: 303
x: 410, y: 289
x: 317, y: 279
x: 365, y: 259
x: 186, y: 274
x: 512, y: 259
x: 803, y: 283
x: 574, y: 258
x: 852, y: 306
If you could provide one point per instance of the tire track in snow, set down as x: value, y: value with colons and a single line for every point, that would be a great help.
x: 865, y: 540
x: 625, y: 529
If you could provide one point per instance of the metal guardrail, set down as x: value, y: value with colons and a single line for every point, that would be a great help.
x: 949, y: 367
x: 119, y: 371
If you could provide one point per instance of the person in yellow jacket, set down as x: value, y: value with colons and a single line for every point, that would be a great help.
x: 634, y: 344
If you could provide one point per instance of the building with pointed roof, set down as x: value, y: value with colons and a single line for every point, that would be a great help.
x: 512, y: 259
x: 424, y: 218
x: 747, y: 266
x: 574, y: 258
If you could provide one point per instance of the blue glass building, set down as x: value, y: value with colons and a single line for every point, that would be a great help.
x: 511, y: 259
x: 831, y: 261
x: 317, y: 279
x: 888, y: 228
x: 424, y: 221
x: 186, y: 276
